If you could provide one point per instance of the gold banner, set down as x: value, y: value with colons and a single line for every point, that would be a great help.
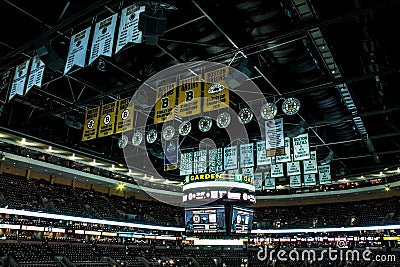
x: 216, y: 90
x: 91, y: 123
x: 189, y: 98
x: 125, y: 115
x: 165, y: 105
x: 107, y: 119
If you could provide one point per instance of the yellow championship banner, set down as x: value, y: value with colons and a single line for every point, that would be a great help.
x: 125, y: 115
x: 216, y: 90
x: 91, y: 123
x: 165, y: 103
x: 189, y: 98
x: 107, y: 119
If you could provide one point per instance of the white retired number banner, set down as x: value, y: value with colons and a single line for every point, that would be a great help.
x: 103, y: 38
x: 18, y: 83
x: 230, y: 158
x: 215, y: 160
x: 269, y: 183
x: 324, y: 174
x: 309, y: 179
x: 200, y: 161
x: 310, y: 165
x: 301, y: 147
x: 293, y: 168
x: 286, y: 157
x: 295, y: 181
x: 36, y: 74
x: 246, y: 155
x: 128, y: 27
x: 274, y: 139
x: 77, y: 50
x: 277, y: 170
x: 249, y: 172
x: 262, y: 158
x: 258, y: 181
x: 186, y: 164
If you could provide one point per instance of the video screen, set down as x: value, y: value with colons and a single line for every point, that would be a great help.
x: 242, y: 220
x: 205, y: 220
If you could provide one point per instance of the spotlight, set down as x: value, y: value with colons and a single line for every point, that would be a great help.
x: 3, y: 157
x: 120, y: 186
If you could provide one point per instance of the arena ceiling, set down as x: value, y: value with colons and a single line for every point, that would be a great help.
x: 339, y: 58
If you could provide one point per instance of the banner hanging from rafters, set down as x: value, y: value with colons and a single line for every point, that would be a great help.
x: 216, y: 90
x: 164, y: 109
x: 215, y: 160
x: 128, y: 27
x: 262, y: 158
x: 248, y: 172
x: 103, y: 38
x: 171, y: 154
x: 309, y: 179
x: 200, y: 161
x: 269, y: 182
x: 5, y: 84
x: 35, y: 74
x: 19, y: 80
x: 274, y: 139
x: 230, y: 158
x: 287, y: 156
x: 324, y: 174
x: 91, y: 124
x: 107, y: 119
x: 124, y: 115
x: 246, y: 155
x: 295, y: 181
x: 258, y: 181
x: 186, y: 164
x: 293, y: 168
x: 277, y: 170
x: 77, y: 50
x: 189, y: 96
x: 301, y: 147
x: 310, y: 165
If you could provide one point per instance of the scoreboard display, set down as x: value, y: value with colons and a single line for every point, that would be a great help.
x: 242, y: 220
x: 205, y: 220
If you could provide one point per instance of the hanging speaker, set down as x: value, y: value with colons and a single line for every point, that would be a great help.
x: 327, y: 159
x: 299, y: 129
x: 47, y: 54
x: 152, y: 25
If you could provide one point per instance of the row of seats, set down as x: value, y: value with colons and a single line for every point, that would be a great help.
x: 19, y: 193
x: 361, y: 213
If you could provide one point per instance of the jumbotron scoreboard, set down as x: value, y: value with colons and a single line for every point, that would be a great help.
x: 207, y: 187
x: 218, y: 204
